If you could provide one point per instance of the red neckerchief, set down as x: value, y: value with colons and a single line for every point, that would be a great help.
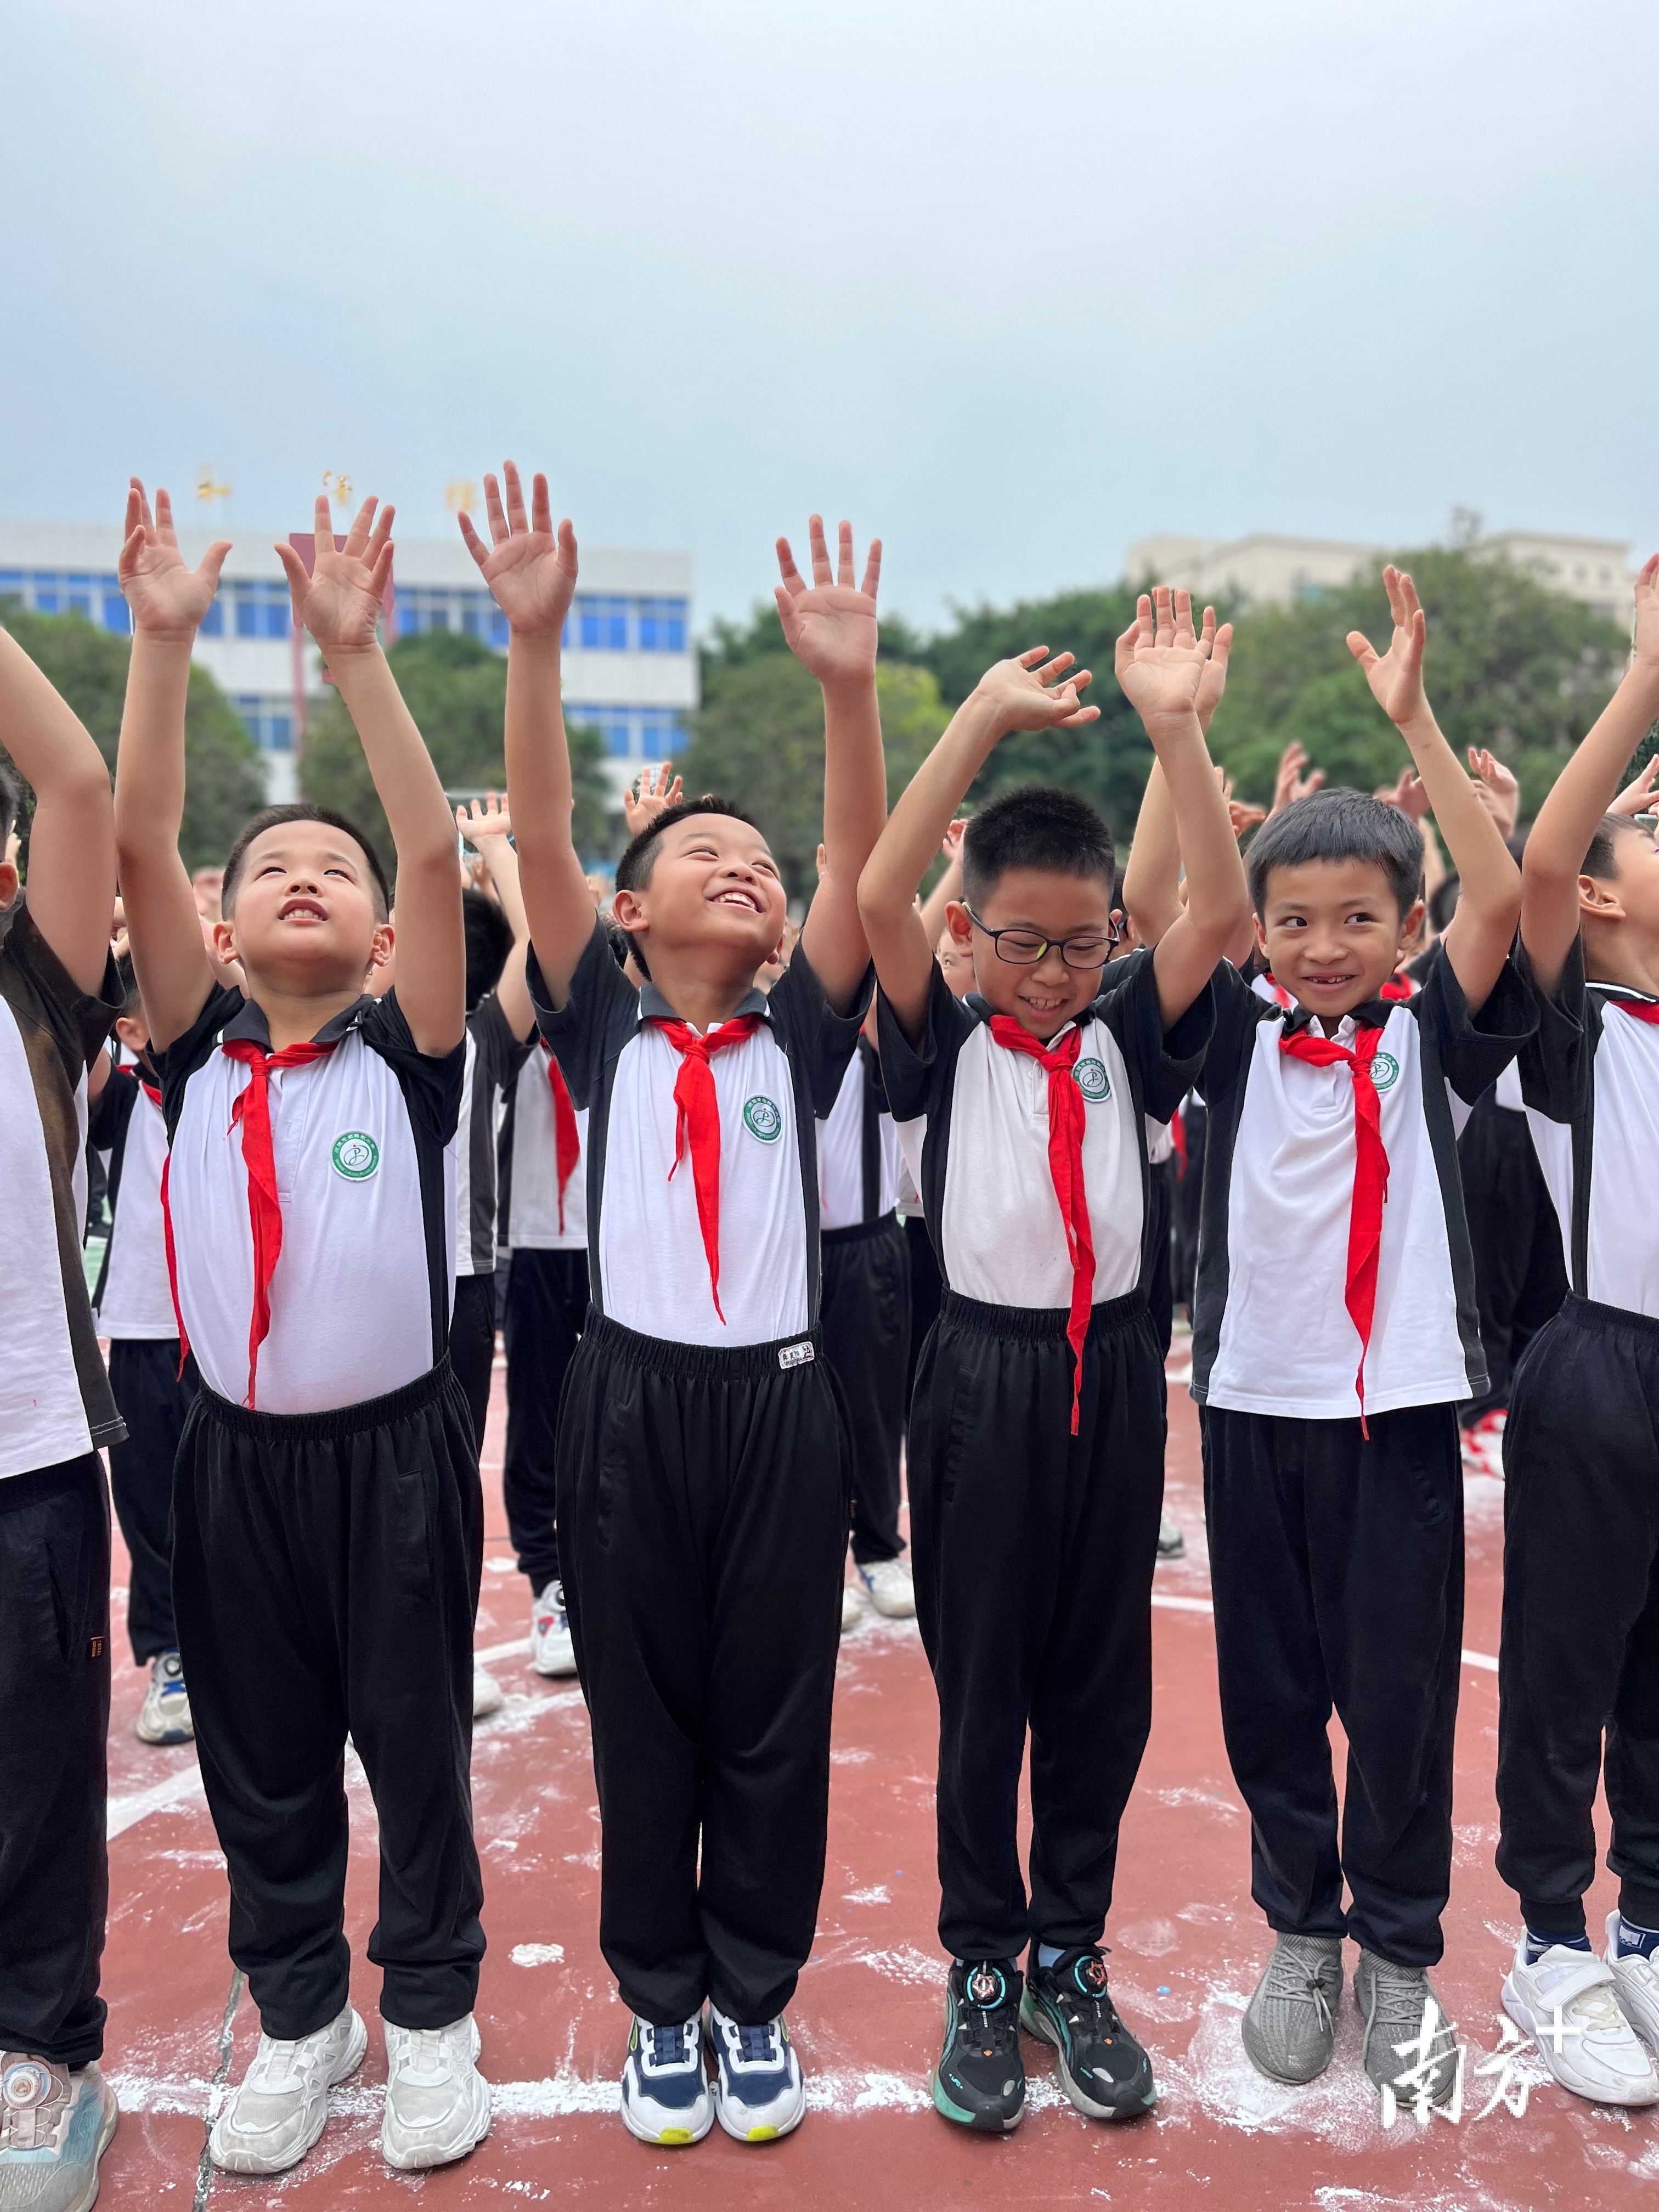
x: 1398, y: 988
x: 1279, y: 992
x: 153, y: 1092
x: 1178, y: 1139
x: 698, y: 1119
x: 252, y: 1110
x: 567, y: 1134
x: 1370, y: 1175
x: 1639, y: 1010
x: 1068, y: 1117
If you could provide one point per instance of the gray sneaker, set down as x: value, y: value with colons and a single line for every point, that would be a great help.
x: 1397, y: 2054
x: 1287, y: 2029
x: 54, y: 2128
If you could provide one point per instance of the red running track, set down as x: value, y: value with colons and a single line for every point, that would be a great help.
x: 1187, y: 1945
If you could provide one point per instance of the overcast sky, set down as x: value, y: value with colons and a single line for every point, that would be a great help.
x: 1014, y: 285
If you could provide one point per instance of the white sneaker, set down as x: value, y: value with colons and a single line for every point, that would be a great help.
x: 891, y: 1591
x: 665, y: 2097
x: 437, y: 2103
x: 55, y: 2126
x: 488, y: 1695
x: 1567, y: 2002
x: 1636, y: 1982
x: 852, y: 1607
x: 551, y: 1652
x: 759, y: 2093
x: 278, y: 2110
x: 164, y: 1716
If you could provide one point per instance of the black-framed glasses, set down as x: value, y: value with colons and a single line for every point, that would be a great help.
x: 1024, y: 948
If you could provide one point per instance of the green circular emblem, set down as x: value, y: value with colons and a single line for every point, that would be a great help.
x: 1385, y: 1071
x: 762, y: 1119
x: 1092, y: 1079
x: 356, y: 1156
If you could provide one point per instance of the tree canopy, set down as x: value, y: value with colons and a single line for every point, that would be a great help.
x: 223, y: 781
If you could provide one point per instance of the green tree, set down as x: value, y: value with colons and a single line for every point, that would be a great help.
x: 223, y: 782
x: 456, y: 688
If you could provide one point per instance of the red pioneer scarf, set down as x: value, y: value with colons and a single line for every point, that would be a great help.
x: 1639, y: 1010
x: 1370, y: 1175
x: 1068, y: 1117
x: 567, y: 1136
x: 698, y: 1121
x: 251, y: 1112
x: 152, y: 1093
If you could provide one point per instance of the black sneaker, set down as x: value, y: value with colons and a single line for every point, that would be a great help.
x: 1102, y: 2070
x: 979, y: 2079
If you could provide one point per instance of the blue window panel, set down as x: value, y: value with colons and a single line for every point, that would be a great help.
x: 247, y: 618
x: 618, y: 735
x: 409, y: 619
x: 84, y: 581
x: 615, y: 625
x: 280, y: 737
x: 11, y: 580
x: 588, y: 617
x: 470, y: 621
x: 501, y: 629
x: 676, y: 628
x: 46, y: 603
x: 564, y: 635
x: 118, y: 615
x: 653, y: 628
x: 279, y: 618
x: 213, y: 622
x: 677, y: 735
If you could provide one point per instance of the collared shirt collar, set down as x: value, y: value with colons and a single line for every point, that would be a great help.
x: 249, y: 1022
x: 1373, y: 1015
x: 654, y: 1007
x: 985, y: 1011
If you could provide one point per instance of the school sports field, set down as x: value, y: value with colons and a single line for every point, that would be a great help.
x: 1186, y: 1946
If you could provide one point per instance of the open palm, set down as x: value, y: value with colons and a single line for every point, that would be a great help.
x: 1160, y: 660
x: 529, y: 567
x: 339, y: 602
x: 1036, y: 692
x: 830, y: 624
x: 166, y: 596
x: 1396, y: 677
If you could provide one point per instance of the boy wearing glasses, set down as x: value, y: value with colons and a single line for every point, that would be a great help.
x: 1036, y: 1434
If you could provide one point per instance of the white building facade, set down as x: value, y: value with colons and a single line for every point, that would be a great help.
x: 629, y: 668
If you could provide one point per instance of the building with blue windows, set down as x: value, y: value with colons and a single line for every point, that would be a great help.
x: 629, y: 668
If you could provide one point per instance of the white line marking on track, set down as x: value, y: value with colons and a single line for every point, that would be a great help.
x: 166, y: 1796
x: 1482, y: 1660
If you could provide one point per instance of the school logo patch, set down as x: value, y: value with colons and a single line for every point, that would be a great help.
x: 762, y: 1119
x: 356, y: 1156
x: 1385, y: 1071
x: 1092, y: 1080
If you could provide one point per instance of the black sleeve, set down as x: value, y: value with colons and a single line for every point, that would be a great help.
x: 916, y: 1076
x: 192, y: 1048
x: 431, y: 1082
x: 822, y: 1040
x: 1557, y: 1059
x: 77, y: 1021
x: 600, y: 1014
x: 1474, y: 1050
x: 1163, y: 1064
x: 111, y: 1110
x: 1238, y: 1012
x: 500, y: 1054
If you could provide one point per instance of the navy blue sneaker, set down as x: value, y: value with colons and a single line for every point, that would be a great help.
x: 664, y: 2089
x: 979, y: 2079
x: 759, y: 2092
x: 1102, y: 2070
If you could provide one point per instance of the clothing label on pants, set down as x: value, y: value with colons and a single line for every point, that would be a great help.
x: 796, y: 1355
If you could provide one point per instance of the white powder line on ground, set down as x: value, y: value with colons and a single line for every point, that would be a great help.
x: 166, y: 1796
x: 1482, y: 1660
x: 519, y: 1648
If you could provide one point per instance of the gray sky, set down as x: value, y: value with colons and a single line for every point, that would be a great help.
x: 1013, y: 285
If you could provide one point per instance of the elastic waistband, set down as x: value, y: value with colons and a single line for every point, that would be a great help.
x: 860, y: 1230
x: 333, y: 1421
x: 705, y: 1363
x: 1034, y: 1324
x: 17, y: 1491
x: 1605, y: 1320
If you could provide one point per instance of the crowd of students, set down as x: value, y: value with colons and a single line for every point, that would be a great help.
x: 782, y: 1207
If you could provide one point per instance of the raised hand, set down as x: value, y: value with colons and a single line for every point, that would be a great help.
x: 1644, y: 640
x: 1409, y: 794
x: 167, y: 598
x: 1034, y: 692
x: 340, y: 602
x: 1396, y: 677
x: 1290, y: 784
x: 648, y: 797
x: 481, y: 819
x: 1214, y: 682
x: 530, y: 570
x: 1243, y: 813
x: 1160, y: 663
x: 830, y: 625
x: 950, y: 848
x: 1496, y: 787
x: 1636, y: 797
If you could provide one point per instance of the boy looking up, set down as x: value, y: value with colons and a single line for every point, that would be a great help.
x: 1580, y: 1649
x: 1037, y: 1431
x: 701, y: 1499
x: 57, y: 998
x: 1334, y: 1335
x: 327, y: 1516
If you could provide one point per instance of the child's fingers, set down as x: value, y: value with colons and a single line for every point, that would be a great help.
x: 1363, y: 650
x: 1146, y: 634
x: 295, y: 569
x: 475, y: 545
x: 1222, y: 644
x: 515, y: 507
x: 1164, y: 631
x: 362, y: 523
x: 1051, y: 672
x: 495, y: 510
x: 844, y: 551
x: 793, y: 580
x: 379, y: 535
x: 1032, y: 654
x: 820, y: 550
x: 871, y: 569
x: 786, y: 607
x: 165, y: 530
x: 213, y: 561
x: 380, y: 574
x: 1183, y: 618
x: 541, y: 507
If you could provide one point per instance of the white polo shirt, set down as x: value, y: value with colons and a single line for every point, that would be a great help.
x: 859, y: 1154
x: 534, y: 1216
x: 493, y: 1056
x: 134, y: 1297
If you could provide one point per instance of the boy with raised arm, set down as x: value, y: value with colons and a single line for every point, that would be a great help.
x: 702, y: 1498
x: 58, y: 998
x: 327, y: 1516
x: 1036, y: 1430
x: 1580, y: 1649
x: 1335, y: 1336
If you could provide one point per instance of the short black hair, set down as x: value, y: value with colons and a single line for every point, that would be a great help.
x: 273, y: 817
x: 488, y: 941
x: 133, y: 1006
x: 11, y: 805
x: 1036, y: 825
x: 640, y: 854
x: 1443, y: 904
x: 1340, y: 825
x: 1602, y: 860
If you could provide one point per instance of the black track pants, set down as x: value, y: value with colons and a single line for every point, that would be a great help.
x: 473, y: 1346
x: 927, y: 1289
x: 325, y: 1576
x: 1160, y: 1238
x: 54, y: 1692
x: 546, y: 1306
x: 1580, y: 1647
x: 1520, y: 1274
x: 1033, y: 1555
x: 867, y: 1340
x: 153, y: 1398
x: 703, y: 1499
x: 1336, y: 1567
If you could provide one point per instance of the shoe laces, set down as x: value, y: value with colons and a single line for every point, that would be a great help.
x: 423, y: 2054
x: 1294, y: 1977
x: 277, y: 2067
x: 664, y: 2048
x: 1595, y: 2012
x: 1400, y: 2000
x: 754, y: 2046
